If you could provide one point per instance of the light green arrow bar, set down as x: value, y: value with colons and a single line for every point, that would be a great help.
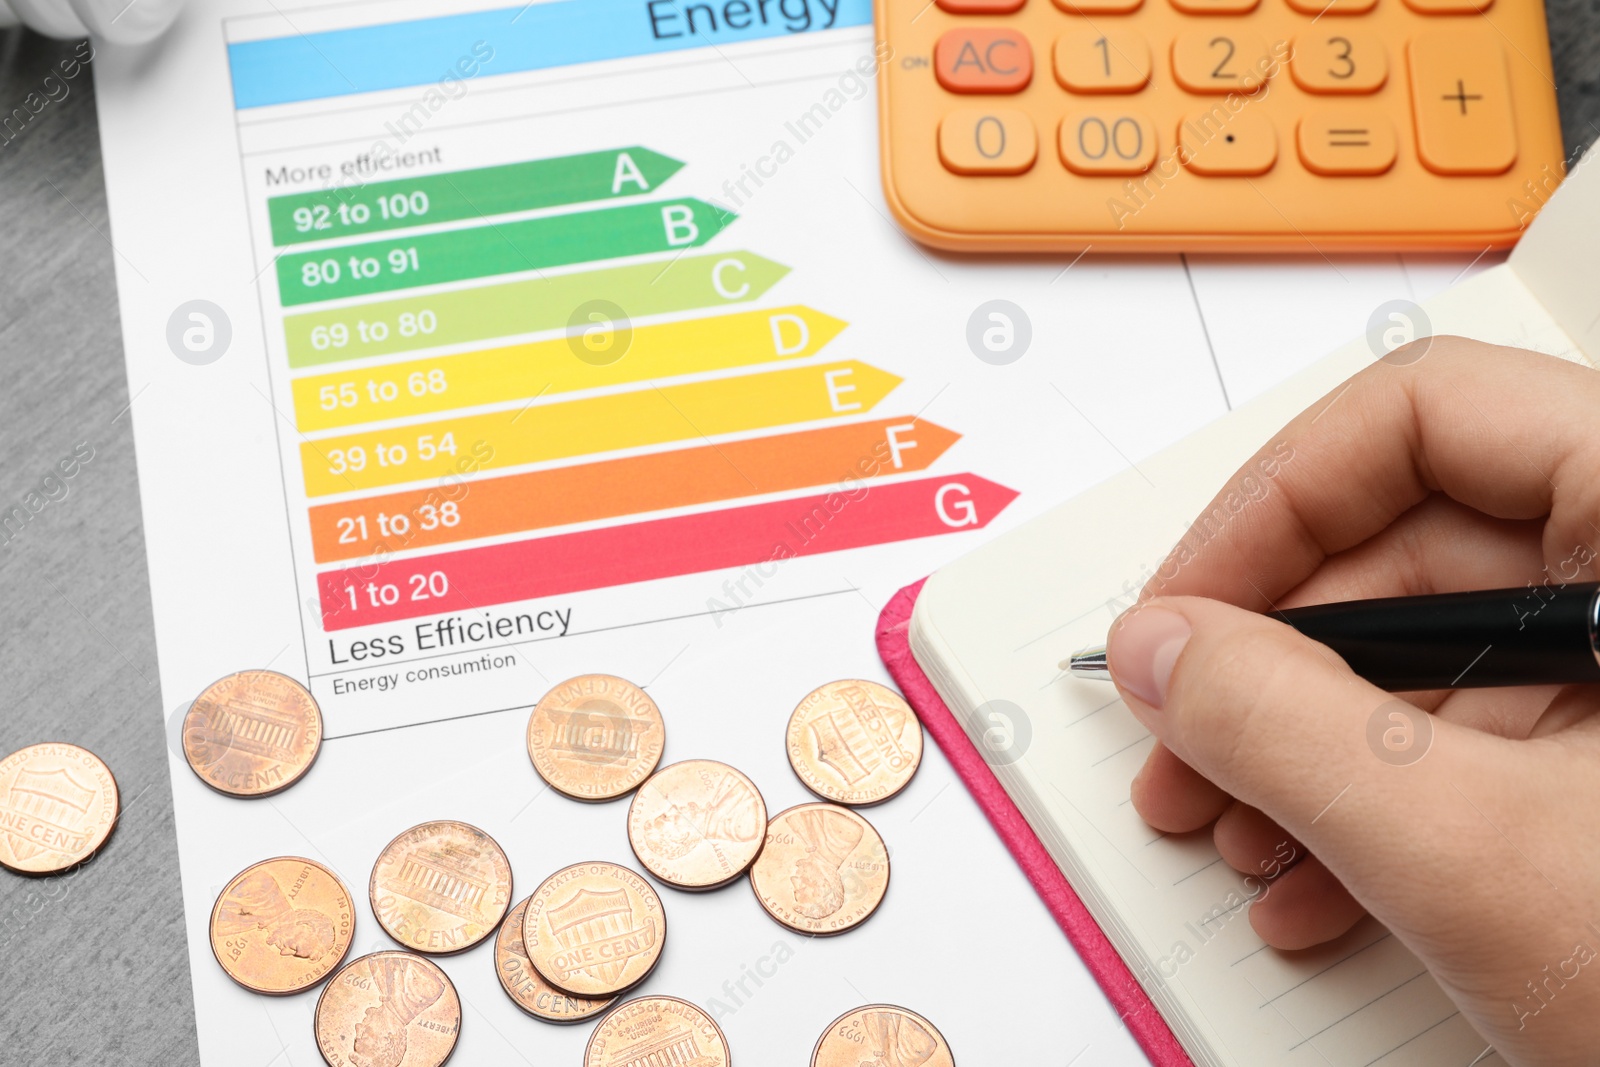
x: 616, y: 294
x: 498, y: 248
x: 357, y: 210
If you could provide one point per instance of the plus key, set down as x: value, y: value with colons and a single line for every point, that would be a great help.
x: 1461, y: 100
x: 1460, y: 95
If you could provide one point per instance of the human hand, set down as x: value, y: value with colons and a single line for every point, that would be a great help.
x: 1474, y: 467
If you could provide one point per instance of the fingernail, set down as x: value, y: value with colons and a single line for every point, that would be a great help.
x: 1142, y: 650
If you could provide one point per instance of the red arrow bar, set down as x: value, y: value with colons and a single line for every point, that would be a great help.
x: 851, y: 517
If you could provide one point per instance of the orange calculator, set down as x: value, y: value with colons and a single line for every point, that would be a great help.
x: 1216, y: 125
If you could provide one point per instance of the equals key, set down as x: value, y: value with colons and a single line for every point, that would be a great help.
x: 1340, y: 143
x: 1354, y: 137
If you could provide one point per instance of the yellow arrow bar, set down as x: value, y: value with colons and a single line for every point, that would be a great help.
x: 599, y: 352
x: 534, y: 434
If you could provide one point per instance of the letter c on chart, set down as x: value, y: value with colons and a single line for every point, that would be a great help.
x: 721, y: 288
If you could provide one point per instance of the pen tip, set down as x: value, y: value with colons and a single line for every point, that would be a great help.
x: 1088, y: 663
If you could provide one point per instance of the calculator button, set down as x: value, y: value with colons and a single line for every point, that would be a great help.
x: 1109, y: 141
x: 1216, y: 7
x: 1099, y: 7
x: 1449, y: 7
x: 1220, y: 60
x: 1088, y: 61
x: 1219, y: 144
x: 1337, y: 61
x: 982, y: 60
x: 980, y: 7
x: 1461, y: 100
x: 987, y: 141
x: 1347, y: 141
x: 1318, y: 8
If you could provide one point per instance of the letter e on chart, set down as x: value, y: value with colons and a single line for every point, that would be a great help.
x: 837, y: 390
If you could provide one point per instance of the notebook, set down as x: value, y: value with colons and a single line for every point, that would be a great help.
x: 990, y: 629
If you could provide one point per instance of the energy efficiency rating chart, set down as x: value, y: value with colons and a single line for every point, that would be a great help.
x: 507, y: 432
x: 523, y: 342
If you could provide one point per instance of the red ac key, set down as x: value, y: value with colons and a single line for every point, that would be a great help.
x: 983, y: 61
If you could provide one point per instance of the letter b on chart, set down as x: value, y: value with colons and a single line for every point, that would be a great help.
x: 678, y: 221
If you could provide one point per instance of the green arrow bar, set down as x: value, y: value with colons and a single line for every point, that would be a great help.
x: 354, y: 210
x: 620, y: 294
x: 498, y: 248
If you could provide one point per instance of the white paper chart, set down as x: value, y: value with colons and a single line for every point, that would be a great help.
x: 474, y: 347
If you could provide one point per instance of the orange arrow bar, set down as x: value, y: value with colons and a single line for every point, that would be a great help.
x: 587, y: 492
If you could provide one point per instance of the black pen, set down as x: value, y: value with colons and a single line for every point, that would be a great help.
x: 1535, y: 635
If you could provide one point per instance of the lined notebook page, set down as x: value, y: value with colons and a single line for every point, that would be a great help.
x: 993, y: 626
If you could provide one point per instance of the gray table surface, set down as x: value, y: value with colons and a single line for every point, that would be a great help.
x: 93, y: 966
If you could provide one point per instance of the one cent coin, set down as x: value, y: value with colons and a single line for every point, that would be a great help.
x: 595, y: 737
x: 526, y: 988
x: 697, y: 824
x: 282, y: 925
x: 658, y: 1030
x: 252, y: 734
x: 389, y: 1009
x: 854, y: 742
x: 441, y: 887
x: 594, y: 929
x: 881, y: 1033
x: 58, y: 804
x: 822, y: 870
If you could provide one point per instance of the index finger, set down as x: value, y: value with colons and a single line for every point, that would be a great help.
x: 1508, y: 432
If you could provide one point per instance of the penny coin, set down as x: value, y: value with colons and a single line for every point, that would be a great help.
x: 595, y: 737
x: 526, y: 988
x: 389, y: 1009
x: 282, y: 925
x: 58, y: 804
x: 652, y: 1030
x: 594, y: 929
x: 822, y: 870
x: 881, y: 1033
x: 854, y: 742
x: 252, y: 734
x: 697, y: 824
x: 441, y: 887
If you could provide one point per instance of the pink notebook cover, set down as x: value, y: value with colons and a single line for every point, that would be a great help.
x: 1138, y: 1013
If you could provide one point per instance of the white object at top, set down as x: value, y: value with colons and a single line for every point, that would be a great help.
x: 112, y: 21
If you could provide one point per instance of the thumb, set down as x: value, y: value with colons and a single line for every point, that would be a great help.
x: 1281, y: 723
